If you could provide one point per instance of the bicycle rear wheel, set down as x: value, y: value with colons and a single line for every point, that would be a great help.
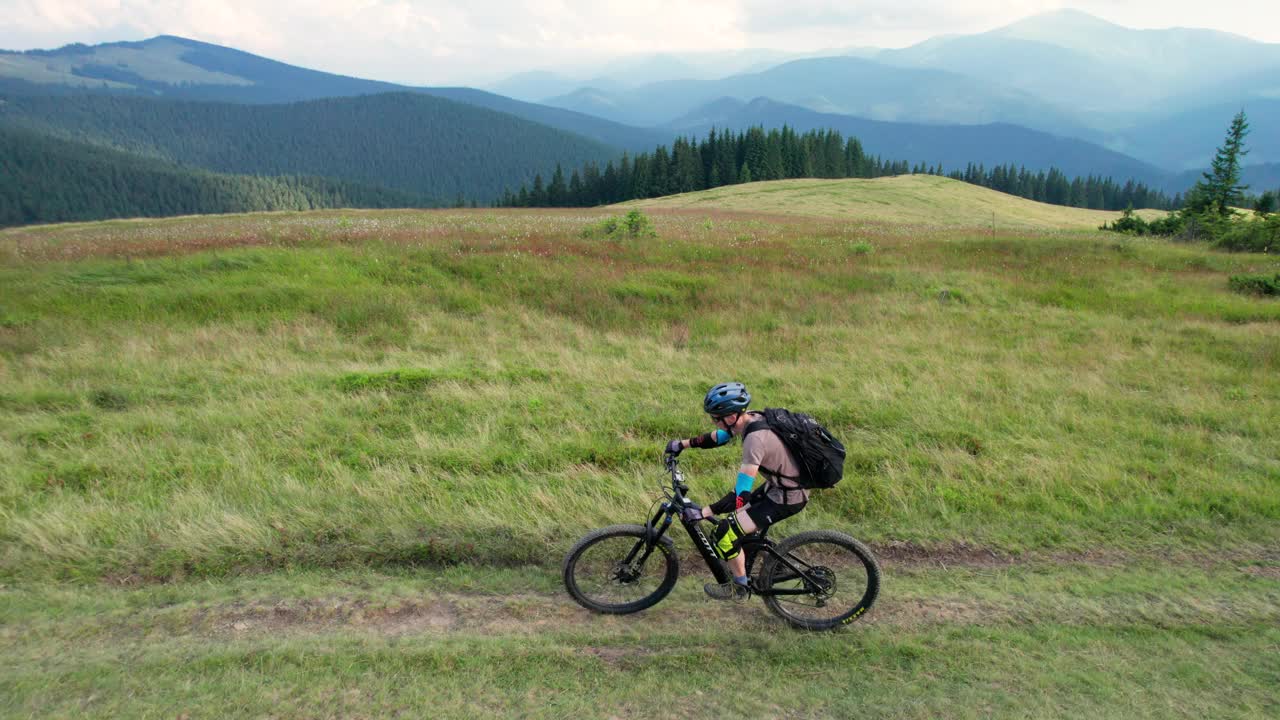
x: 610, y: 570
x: 831, y: 581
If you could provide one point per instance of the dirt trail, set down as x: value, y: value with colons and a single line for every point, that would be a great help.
x: 899, y: 605
x: 911, y: 597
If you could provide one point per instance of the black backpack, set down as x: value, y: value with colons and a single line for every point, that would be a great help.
x: 817, y: 453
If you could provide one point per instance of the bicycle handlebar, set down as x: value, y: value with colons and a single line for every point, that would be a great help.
x: 677, y: 477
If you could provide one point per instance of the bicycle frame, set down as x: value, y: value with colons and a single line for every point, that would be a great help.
x: 752, y: 545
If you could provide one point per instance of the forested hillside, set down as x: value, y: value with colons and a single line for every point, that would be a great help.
x: 45, y: 179
x: 420, y: 144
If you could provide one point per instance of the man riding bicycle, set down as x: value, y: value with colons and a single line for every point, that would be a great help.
x: 763, y: 453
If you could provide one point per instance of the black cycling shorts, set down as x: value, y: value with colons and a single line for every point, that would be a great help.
x: 765, y: 512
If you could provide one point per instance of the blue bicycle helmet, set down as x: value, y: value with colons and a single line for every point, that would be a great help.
x: 726, y: 399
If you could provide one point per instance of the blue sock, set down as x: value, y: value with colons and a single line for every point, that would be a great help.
x: 741, y: 579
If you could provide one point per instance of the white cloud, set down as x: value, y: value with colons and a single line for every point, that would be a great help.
x: 434, y: 41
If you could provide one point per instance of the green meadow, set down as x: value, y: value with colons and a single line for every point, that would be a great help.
x: 327, y: 464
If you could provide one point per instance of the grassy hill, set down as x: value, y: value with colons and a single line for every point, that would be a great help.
x: 906, y: 199
x: 327, y: 463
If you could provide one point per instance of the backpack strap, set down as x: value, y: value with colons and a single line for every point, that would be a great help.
x: 761, y: 424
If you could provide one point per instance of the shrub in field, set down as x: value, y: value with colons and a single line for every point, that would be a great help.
x: 1256, y: 284
x: 1129, y: 223
x: 1170, y: 224
x: 1258, y: 235
x: 634, y: 224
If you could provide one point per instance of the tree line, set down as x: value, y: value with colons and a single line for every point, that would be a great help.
x: 728, y: 158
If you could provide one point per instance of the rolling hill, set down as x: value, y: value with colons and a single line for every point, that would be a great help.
x: 904, y: 199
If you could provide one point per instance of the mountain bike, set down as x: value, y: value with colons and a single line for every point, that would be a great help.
x: 816, y: 580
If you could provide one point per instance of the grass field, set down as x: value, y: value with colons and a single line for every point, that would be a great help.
x: 921, y: 200
x: 326, y: 464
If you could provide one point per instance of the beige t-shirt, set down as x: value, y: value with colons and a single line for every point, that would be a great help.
x: 765, y: 448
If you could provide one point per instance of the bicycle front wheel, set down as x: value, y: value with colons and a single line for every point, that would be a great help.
x: 612, y: 570
x: 828, y: 579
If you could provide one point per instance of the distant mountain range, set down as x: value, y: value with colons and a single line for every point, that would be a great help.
x: 1064, y: 72
x: 182, y: 69
x: 841, y: 85
x: 1114, y: 76
x: 1062, y: 89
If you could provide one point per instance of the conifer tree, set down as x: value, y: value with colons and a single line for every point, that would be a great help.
x: 1222, y: 187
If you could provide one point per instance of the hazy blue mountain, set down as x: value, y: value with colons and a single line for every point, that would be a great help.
x: 1260, y: 178
x: 179, y: 68
x: 1183, y: 55
x: 1061, y: 74
x: 645, y: 69
x: 635, y: 70
x: 1113, y: 73
x: 951, y: 145
x: 535, y: 85
x: 420, y: 144
x: 844, y: 85
x: 1190, y: 139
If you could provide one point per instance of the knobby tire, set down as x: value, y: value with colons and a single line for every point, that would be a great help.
x: 596, y: 580
x: 849, y: 574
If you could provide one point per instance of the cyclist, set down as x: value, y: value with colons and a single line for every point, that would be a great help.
x: 747, y: 511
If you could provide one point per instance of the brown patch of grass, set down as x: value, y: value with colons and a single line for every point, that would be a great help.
x: 327, y: 614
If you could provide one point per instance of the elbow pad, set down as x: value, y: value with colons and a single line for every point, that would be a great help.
x: 711, y: 440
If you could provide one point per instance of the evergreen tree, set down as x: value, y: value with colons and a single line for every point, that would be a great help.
x: 1222, y: 188
x: 557, y: 191
x: 538, y: 196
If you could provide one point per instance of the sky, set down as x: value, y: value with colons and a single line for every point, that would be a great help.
x: 433, y: 42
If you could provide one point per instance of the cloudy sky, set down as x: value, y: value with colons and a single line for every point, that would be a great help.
x: 441, y: 42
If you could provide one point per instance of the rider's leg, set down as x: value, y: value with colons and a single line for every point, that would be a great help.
x: 727, y: 538
x: 738, y: 563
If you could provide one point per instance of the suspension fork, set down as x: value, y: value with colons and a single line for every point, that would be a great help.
x: 653, y: 533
